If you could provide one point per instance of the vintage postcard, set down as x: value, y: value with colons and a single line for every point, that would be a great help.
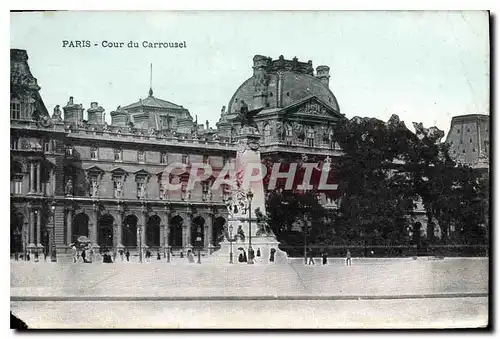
x: 247, y: 169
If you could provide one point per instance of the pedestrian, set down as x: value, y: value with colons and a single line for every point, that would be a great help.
x: 158, y: 257
x: 258, y: 252
x: 127, y: 254
x: 75, y: 254
x: 311, y: 258
x: 245, y: 258
x: 348, y: 258
x: 190, y: 257
x: 240, y: 257
x: 91, y: 255
x: 271, y: 256
x: 148, y: 255
x: 84, y: 255
x: 325, y: 258
x: 121, y: 254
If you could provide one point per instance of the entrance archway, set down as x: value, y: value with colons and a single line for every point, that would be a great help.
x: 80, y: 226
x: 153, y: 231
x: 130, y: 231
x: 175, y: 235
x: 16, y: 232
x: 218, y: 231
x: 197, y: 231
x: 105, y: 239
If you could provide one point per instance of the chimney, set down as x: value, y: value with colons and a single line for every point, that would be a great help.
x: 119, y: 117
x: 73, y: 113
x: 323, y: 74
x: 95, y: 114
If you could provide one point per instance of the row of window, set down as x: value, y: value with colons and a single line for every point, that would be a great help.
x: 48, y: 145
x: 141, y: 156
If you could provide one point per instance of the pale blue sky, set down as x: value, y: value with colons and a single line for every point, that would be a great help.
x: 424, y: 66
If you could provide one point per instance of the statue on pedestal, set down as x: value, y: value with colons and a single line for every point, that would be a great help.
x: 95, y: 188
x: 56, y: 116
x: 119, y: 189
x: 69, y: 187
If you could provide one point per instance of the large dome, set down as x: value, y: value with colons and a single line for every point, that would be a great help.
x: 297, y: 83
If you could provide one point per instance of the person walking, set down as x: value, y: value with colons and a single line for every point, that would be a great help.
x: 325, y: 258
x: 348, y: 258
x: 127, y: 255
x: 311, y: 258
x: 84, y: 256
x: 121, y: 255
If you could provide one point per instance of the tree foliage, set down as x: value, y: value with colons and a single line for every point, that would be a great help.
x: 385, y: 170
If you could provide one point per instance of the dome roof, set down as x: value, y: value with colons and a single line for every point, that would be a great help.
x: 295, y: 87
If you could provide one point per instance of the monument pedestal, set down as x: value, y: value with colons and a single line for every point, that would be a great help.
x: 246, y: 206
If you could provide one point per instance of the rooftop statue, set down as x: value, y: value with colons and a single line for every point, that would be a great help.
x: 246, y: 117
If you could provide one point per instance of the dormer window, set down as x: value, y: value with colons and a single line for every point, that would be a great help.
x: 163, y: 158
x: 118, y: 154
x: 93, y: 153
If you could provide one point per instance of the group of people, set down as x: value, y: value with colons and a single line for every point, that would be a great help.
x: 324, y: 258
x: 242, y: 257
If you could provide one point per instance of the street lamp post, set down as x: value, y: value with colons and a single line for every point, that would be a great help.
x: 198, y: 242
x: 53, y: 254
x: 250, y: 250
x: 230, y: 244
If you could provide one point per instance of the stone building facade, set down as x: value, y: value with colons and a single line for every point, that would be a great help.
x: 72, y: 177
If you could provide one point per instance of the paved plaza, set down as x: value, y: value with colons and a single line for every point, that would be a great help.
x: 381, y: 287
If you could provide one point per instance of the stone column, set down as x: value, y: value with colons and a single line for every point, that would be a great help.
x: 207, y: 235
x: 187, y: 231
x: 162, y: 235
x: 69, y: 226
x: 31, y: 233
x: 39, y: 229
x: 119, y: 228
x: 32, y: 177
x: 53, y: 182
x: 144, y: 228
x: 93, y: 227
x: 38, y: 178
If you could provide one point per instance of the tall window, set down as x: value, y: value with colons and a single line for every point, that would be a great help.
x: 118, y: 154
x: 184, y: 159
x: 224, y: 160
x: 14, y: 142
x: 141, y: 156
x: 163, y: 158
x: 310, y: 137
x: 15, y: 110
x: 69, y: 150
x: 205, y: 159
x: 18, y: 184
x: 93, y: 153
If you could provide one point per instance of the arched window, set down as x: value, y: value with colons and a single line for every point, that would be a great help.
x: 267, y: 133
